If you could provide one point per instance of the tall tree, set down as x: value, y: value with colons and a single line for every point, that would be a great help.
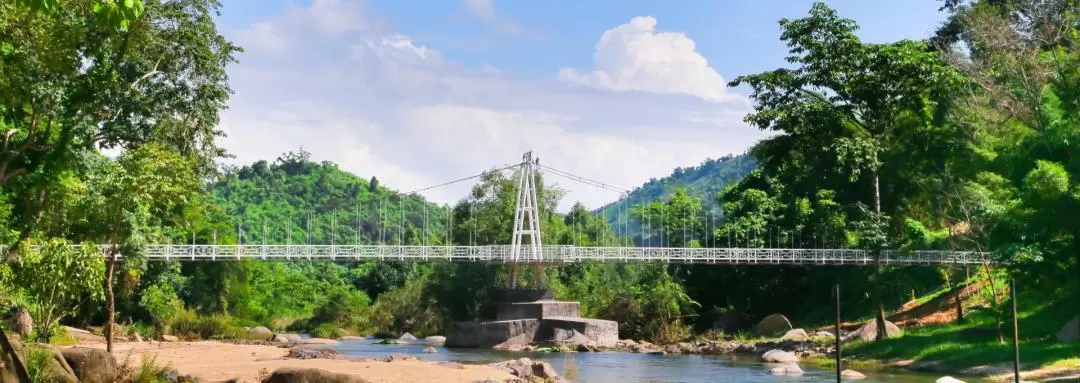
x: 846, y: 100
x: 122, y: 198
x: 73, y: 85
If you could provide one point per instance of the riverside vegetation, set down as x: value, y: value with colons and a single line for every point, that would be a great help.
x: 969, y: 139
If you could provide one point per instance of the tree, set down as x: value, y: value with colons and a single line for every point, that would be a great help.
x: 847, y: 100
x: 73, y: 85
x: 122, y: 198
x: 678, y: 219
x: 59, y: 278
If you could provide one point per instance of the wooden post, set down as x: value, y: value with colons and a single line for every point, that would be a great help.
x: 1016, y: 333
x: 836, y: 294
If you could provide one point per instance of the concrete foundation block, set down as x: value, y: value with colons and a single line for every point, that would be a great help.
x: 537, y: 310
x: 487, y: 334
x: 604, y: 332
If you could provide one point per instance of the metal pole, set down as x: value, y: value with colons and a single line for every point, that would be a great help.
x: 836, y: 291
x: 1016, y: 333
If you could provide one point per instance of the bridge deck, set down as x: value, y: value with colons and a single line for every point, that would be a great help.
x: 558, y: 254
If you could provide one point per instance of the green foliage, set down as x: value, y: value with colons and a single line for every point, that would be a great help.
x: 189, y: 325
x: 37, y: 359
x: 328, y: 331
x: 161, y: 301
x: 704, y: 182
x: 58, y: 279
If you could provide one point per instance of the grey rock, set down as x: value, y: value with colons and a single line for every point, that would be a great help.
x: 868, y: 332
x: 407, y: 337
x: 1070, y: 332
x: 796, y: 335
x: 259, y: 333
x: 309, y: 375
x: 91, y: 365
x: 788, y: 369
x: 779, y: 356
x: 852, y: 375
x: 431, y: 350
x: 773, y: 326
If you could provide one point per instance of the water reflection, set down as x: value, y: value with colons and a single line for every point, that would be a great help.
x: 611, y: 367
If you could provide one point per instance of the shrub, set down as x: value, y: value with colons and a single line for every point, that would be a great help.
x: 327, y: 330
x: 37, y: 360
x: 162, y: 303
x: 188, y: 325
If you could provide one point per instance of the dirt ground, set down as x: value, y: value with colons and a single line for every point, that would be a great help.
x: 217, y: 361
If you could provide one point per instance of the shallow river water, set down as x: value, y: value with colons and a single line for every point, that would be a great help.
x: 611, y: 367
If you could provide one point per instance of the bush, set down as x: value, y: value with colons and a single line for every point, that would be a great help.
x: 188, y: 325
x: 328, y: 330
x: 162, y: 303
x: 37, y: 359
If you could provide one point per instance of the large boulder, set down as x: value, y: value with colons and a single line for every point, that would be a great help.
x: 91, y: 365
x: 22, y: 322
x: 779, y: 356
x: 407, y: 337
x: 868, y: 332
x: 948, y: 379
x: 262, y: 333
x: 7, y: 371
x: 527, y: 369
x: 1070, y: 332
x: 57, y: 370
x: 796, y: 335
x: 289, y: 339
x: 773, y: 326
x: 435, y: 339
x: 169, y: 338
x: 309, y: 375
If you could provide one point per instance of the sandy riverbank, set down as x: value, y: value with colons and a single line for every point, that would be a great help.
x: 217, y: 361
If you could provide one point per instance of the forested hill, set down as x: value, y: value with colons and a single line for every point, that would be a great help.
x: 292, y: 193
x: 703, y: 182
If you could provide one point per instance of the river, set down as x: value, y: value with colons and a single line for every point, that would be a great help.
x: 611, y: 367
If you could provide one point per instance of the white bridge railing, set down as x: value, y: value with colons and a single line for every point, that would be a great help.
x: 557, y: 254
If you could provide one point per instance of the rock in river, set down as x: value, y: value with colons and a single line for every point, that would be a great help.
x: 779, y: 356
x: 773, y: 325
x: 788, y: 369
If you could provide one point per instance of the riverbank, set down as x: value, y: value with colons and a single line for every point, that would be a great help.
x: 213, y: 361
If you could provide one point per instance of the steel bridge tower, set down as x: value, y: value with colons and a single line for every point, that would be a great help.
x: 527, y: 214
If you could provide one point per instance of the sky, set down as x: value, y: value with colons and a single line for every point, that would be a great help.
x: 418, y: 93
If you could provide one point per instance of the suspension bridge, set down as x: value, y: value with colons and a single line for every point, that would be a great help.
x: 526, y: 246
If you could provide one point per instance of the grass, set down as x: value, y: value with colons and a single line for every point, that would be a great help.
x: 975, y: 342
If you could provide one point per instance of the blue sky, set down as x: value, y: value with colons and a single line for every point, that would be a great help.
x: 419, y: 92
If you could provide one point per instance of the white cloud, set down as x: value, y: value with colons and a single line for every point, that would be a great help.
x: 261, y: 37
x: 379, y: 104
x: 635, y: 57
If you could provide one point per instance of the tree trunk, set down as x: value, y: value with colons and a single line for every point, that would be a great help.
x: 513, y: 276
x: 110, y: 303
x: 880, y: 301
x: 877, y: 192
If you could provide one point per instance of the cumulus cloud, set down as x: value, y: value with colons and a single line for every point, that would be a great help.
x: 635, y: 57
x: 379, y: 104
